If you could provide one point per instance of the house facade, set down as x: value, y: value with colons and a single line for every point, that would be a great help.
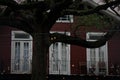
x: 16, y: 49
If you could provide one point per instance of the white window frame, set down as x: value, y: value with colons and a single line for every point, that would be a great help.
x: 21, y: 41
x: 21, y: 32
x: 70, y: 20
x: 97, y: 54
x: 51, y: 71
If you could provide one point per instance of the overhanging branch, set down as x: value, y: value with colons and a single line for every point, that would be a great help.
x: 27, y: 6
x: 56, y: 37
x: 16, y: 23
x: 108, y: 13
x: 8, y: 2
x: 96, y: 8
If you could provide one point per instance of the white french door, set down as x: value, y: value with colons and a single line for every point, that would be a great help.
x: 97, y: 58
x: 21, y: 57
x: 21, y: 53
x: 59, y: 59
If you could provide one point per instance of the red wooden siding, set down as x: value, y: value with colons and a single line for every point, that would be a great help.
x: 61, y: 27
x: 78, y: 54
x: 5, y: 48
x: 114, y: 51
x: 78, y: 59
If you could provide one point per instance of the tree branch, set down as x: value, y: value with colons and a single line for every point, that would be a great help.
x: 8, y: 2
x: 106, y: 12
x: 55, y: 11
x: 56, y: 37
x: 15, y: 6
x: 91, y: 11
x: 16, y: 23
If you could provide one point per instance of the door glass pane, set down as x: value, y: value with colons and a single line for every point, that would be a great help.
x: 26, y: 57
x: 101, y: 63
x: 92, y: 56
x: 17, y: 56
x: 55, y: 57
x: 64, y: 57
x: 92, y: 63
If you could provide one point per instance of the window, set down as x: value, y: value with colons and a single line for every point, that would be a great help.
x: 66, y: 19
x: 59, y: 58
x: 21, y: 52
x: 97, y: 58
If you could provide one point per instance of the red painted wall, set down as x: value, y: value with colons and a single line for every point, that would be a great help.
x: 61, y: 27
x: 78, y: 54
x: 5, y: 48
x: 78, y: 59
x: 114, y: 51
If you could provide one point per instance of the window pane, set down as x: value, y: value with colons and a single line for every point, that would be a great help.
x: 94, y: 37
x: 22, y: 35
x: 66, y: 17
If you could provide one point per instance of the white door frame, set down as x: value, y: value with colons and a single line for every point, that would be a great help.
x: 96, y: 50
x: 21, y: 42
x: 59, y: 58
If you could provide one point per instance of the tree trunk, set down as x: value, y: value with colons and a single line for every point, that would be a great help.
x: 39, y: 59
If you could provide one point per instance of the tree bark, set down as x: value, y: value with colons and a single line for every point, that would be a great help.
x: 39, y: 62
